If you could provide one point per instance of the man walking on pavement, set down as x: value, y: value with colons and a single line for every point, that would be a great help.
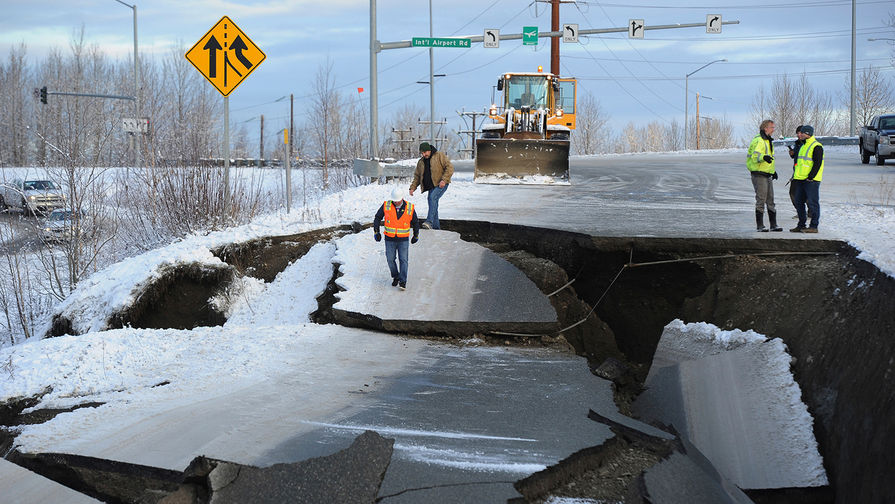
x: 808, y: 173
x: 760, y: 162
x: 433, y: 172
x: 398, y: 218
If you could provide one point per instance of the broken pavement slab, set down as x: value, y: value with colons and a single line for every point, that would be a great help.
x: 454, y: 287
x: 350, y: 476
x: 740, y: 407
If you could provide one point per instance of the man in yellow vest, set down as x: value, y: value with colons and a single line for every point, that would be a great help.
x: 760, y: 163
x: 808, y: 173
x: 397, y: 218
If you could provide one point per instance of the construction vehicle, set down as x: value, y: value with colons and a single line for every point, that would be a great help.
x: 528, y: 141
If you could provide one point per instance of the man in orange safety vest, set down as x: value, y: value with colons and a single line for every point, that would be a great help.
x: 397, y: 218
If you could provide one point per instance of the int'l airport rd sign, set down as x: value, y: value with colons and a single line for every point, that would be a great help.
x: 225, y: 56
x: 440, y: 42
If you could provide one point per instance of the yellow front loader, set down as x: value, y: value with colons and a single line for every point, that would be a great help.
x: 528, y: 140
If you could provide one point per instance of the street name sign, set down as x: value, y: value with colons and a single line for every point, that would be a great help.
x: 440, y: 42
x: 225, y: 56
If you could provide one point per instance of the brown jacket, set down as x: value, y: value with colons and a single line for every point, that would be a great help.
x: 441, y: 167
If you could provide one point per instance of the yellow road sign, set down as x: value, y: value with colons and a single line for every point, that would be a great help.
x: 225, y: 56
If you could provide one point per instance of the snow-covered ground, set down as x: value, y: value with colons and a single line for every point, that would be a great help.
x: 268, y: 332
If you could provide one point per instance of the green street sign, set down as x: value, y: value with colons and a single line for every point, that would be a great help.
x: 440, y: 42
x: 529, y: 35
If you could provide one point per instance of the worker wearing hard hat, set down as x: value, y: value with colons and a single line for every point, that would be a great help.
x: 398, y: 218
x: 433, y: 172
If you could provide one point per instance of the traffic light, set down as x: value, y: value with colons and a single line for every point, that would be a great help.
x: 43, y: 95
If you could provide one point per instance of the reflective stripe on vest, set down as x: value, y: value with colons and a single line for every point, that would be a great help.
x: 758, y: 148
x: 805, y: 161
x: 393, y: 227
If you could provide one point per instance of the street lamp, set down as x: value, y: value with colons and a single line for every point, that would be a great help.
x: 687, y: 99
x: 136, y: 83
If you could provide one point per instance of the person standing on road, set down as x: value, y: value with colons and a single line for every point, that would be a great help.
x: 433, y: 172
x: 808, y: 173
x: 760, y: 162
x: 794, y: 153
x: 398, y: 218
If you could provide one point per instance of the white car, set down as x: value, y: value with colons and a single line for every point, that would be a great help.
x: 32, y: 196
x: 63, y: 225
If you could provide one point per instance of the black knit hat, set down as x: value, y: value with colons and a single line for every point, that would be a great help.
x: 425, y: 146
x: 808, y: 130
x: 799, y: 128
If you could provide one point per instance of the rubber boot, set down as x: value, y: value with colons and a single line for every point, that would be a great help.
x: 759, y: 222
x: 772, y: 218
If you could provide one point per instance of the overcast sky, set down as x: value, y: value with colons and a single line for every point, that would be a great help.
x: 634, y: 80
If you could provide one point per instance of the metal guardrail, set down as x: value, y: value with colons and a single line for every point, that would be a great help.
x: 374, y: 169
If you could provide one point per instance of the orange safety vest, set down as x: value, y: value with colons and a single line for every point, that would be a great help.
x: 395, y: 227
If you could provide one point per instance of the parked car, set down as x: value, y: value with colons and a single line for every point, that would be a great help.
x: 63, y: 225
x: 31, y: 196
x: 878, y: 139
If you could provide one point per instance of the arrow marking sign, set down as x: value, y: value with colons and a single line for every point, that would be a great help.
x: 491, y: 38
x: 224, y: 63
x: 570, y: 33
x: 713, y: 23
x: 635, y: 28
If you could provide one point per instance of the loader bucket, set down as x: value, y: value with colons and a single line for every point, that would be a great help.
x: 517, y: 161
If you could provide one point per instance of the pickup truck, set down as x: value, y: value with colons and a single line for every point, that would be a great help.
x: 878, y: 139
x: 31, y: 196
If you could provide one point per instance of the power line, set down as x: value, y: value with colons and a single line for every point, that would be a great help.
x: 799, y: 6
x: 729, y: 63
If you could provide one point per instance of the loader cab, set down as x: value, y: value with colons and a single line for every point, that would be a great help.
x: 525, y: 91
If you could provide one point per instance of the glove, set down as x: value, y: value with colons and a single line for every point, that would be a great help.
x: 774, y: 176
x: 415, y: 239
x: 767, y: 159
x: 377, y: 237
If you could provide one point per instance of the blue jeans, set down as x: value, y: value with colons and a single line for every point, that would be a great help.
x: 434, y: 195
x: 807, y: 193
x: 402, y: 248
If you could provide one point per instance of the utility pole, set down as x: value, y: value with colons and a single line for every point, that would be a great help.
x: 554, y: 41
x: 472, y: 133
x: 261, y: 149
x: 401, y: 141
x: 697, y: 121
x: 289, y: 155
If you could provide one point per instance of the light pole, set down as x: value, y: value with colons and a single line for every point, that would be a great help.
x: 136, y: 86
x: 687, y: 100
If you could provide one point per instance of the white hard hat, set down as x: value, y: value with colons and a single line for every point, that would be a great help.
x: 397, y: 194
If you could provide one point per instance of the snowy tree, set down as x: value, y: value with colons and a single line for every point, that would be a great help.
x: 591, y: 133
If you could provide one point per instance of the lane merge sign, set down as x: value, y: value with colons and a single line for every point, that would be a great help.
x: 225, y: 56
x: 440, y: 42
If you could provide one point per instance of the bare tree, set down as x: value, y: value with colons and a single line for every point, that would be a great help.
x: 874, y: 95
x: 13, y: 78
x: 323, y: 115
x: 590, y: 135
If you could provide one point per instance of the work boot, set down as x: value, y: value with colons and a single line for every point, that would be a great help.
x: 759, y: 222
x: 772, y: 218
x: 402, y: 285
x: 395, y: 281
x: 809, y: 230
x: 797, y: 229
